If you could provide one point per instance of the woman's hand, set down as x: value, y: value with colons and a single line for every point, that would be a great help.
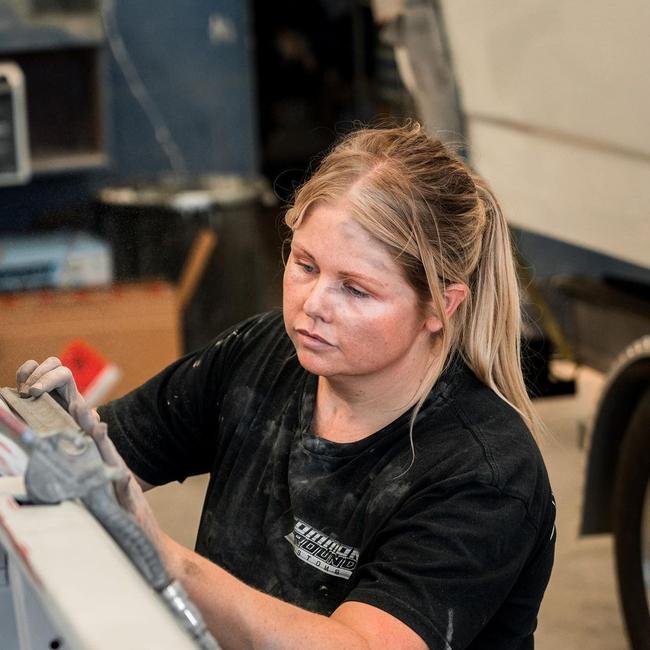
x: 34, y: 379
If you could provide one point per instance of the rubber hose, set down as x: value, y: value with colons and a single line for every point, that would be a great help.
x: 123, y: 528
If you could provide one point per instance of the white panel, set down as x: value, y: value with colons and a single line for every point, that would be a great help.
x: 92, y: 593
x: 576, y: 66
x: 594, y: 199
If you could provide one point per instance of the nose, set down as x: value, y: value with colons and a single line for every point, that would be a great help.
x: 318, y: 302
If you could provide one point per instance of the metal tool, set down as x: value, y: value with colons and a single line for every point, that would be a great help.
x: 67, y: 465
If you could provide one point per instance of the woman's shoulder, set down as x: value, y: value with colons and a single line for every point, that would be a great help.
x: 255, y: 336
x: 254, y: 351
x: 255, y: 328
x: 481, y: 438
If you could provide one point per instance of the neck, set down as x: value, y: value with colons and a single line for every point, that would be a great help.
x: 349, y: 408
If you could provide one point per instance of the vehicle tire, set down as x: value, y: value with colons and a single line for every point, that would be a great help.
x: 632, y: 525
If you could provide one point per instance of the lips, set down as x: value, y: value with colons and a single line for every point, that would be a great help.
x: 313, y: 336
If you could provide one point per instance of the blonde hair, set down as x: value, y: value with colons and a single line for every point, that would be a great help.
x: 443, y: 225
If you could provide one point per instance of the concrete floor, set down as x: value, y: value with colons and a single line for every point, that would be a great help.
x: 580, y: 609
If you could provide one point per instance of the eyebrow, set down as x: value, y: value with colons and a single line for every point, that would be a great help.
x: 345, y: 274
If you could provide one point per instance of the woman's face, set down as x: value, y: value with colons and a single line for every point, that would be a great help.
x: 347, y: 307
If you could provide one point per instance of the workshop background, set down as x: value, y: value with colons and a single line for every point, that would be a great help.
x: 147, y: 155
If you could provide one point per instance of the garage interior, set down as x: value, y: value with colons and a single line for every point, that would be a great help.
x: 148, y: 156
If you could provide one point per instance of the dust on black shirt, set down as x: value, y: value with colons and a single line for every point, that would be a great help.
x: 456, y: 542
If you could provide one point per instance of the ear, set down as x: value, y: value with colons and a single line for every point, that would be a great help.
x: 453, y: 296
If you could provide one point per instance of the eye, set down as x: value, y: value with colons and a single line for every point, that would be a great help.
x: 307, y: 268
x: 353, y: 291
x: 304, y: 265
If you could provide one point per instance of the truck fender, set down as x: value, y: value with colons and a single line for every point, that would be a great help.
x: 625, y: 384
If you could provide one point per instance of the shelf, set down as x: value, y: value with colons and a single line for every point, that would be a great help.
x: 68, y: 162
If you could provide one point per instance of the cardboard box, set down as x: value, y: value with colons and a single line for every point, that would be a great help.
x: 136, y: 326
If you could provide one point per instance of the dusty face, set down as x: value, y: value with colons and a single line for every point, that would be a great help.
x: 347, y: 307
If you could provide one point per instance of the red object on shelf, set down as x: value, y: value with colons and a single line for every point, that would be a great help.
x: 94, y: 375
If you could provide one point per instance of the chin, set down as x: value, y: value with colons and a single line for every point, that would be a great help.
x: 310, y: 364
x: 313, y: 364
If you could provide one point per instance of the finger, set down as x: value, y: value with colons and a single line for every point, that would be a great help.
x: 126, y: 489
x: 59, y: 378
x: 85, y: 417
x: 107, y: 449
x: 122, y: 489
x: 24, y: 372
x: 46, y: 366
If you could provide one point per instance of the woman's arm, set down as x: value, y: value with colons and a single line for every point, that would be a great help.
x: 241, y: 617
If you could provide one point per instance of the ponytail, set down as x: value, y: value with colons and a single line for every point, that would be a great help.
x: 492, y: 338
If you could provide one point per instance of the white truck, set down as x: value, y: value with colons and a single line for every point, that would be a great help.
x: 555, y: 101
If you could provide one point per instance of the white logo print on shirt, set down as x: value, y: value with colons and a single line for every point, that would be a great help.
x: 322, y: 552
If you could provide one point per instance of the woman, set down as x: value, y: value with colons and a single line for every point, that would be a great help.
x: 374, y: 480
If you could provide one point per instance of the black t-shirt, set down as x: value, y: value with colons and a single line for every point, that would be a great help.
x: 457, y: 542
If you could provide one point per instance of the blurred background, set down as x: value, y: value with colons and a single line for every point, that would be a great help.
x: 147, y: 156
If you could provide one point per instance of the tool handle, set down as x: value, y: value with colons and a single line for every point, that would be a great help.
x: 123, y: 528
